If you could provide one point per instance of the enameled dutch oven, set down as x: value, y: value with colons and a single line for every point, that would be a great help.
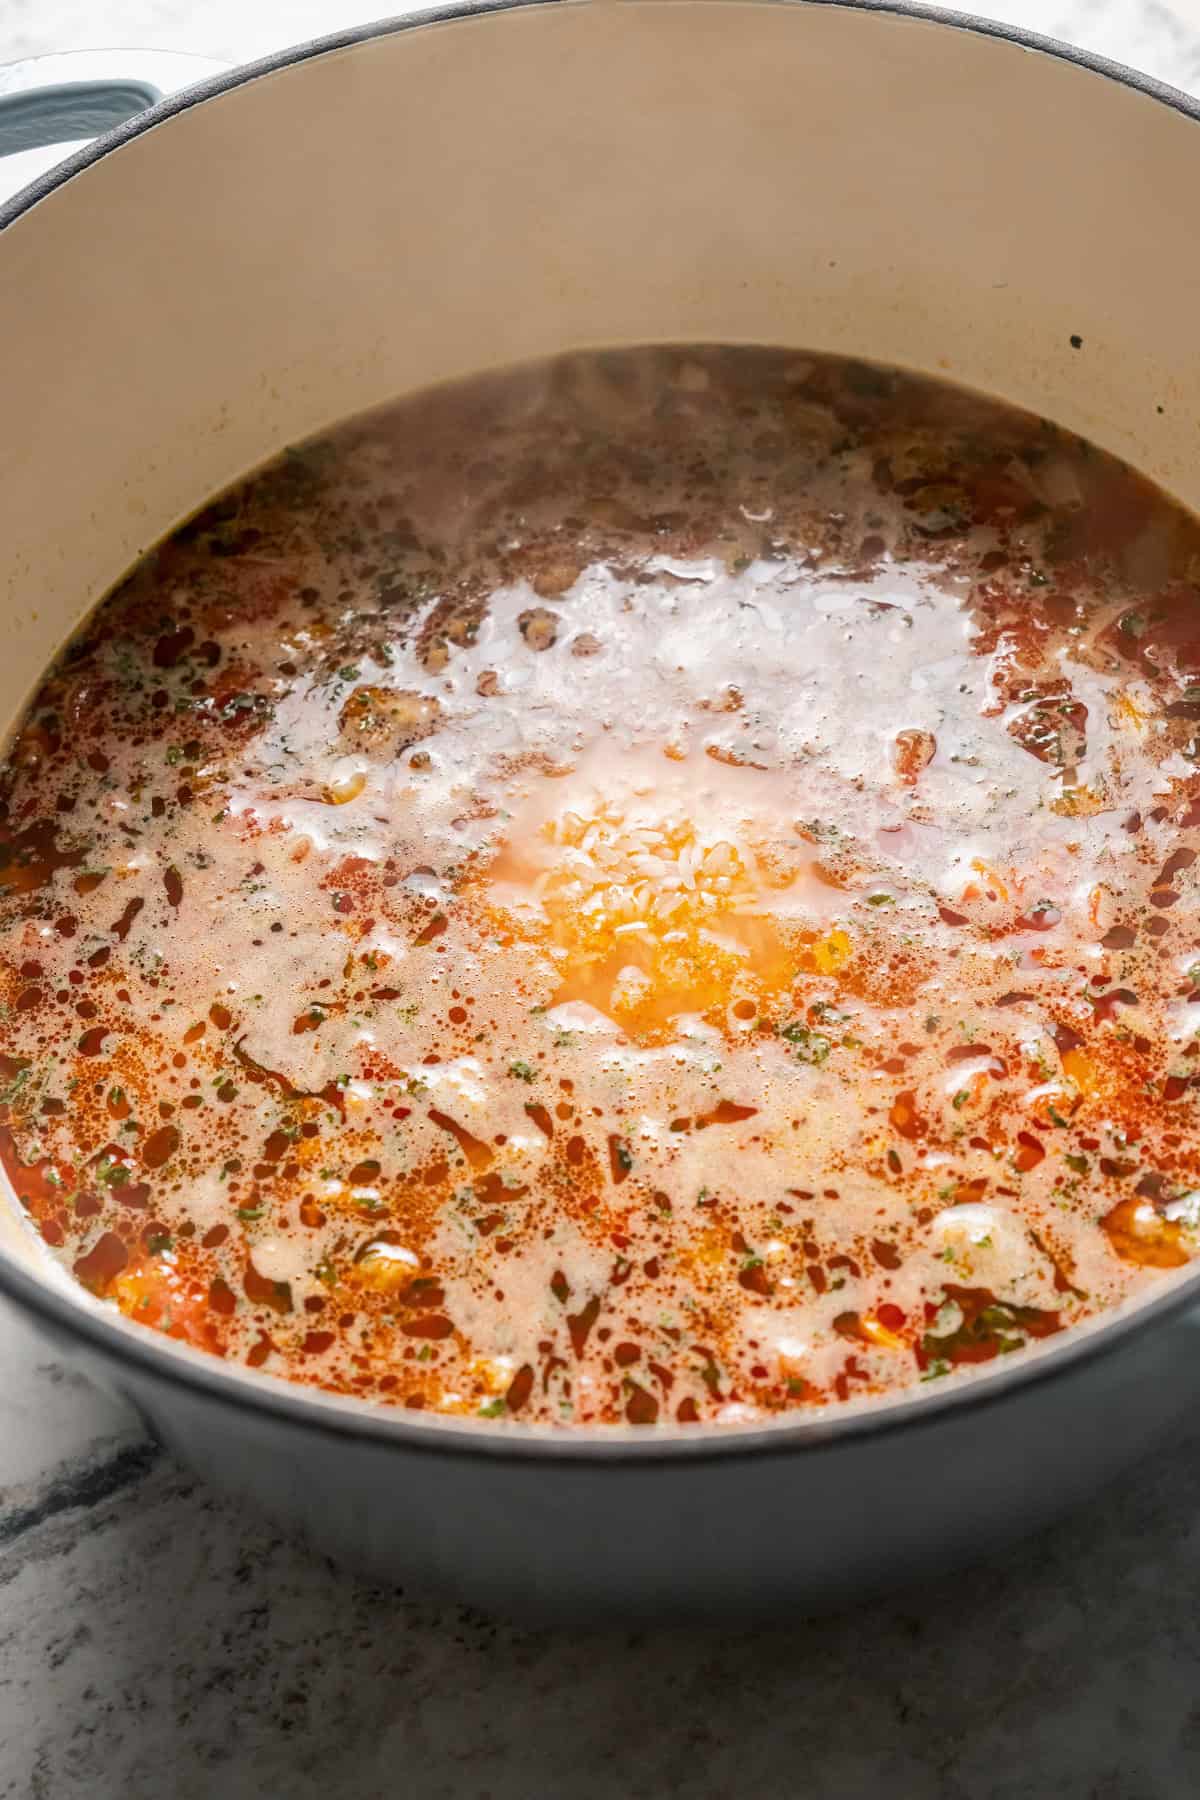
x: 258, y: 255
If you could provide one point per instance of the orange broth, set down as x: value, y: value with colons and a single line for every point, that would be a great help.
x: 658, y: 886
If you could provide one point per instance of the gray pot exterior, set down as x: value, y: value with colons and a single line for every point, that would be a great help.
x: 728, y: 1537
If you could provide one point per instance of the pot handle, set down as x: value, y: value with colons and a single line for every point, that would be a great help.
x: 51, y: 106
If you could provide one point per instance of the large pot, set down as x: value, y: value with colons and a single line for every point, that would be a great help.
x: 257, y: 256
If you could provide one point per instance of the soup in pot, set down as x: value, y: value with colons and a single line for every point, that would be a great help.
x: 658, y: 886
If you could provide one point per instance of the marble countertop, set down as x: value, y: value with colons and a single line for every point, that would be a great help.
x: 159, y: 1643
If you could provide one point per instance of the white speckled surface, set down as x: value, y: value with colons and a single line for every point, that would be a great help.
x: 156, y: 1644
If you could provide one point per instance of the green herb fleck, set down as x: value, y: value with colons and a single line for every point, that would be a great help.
x: 811, y: 1046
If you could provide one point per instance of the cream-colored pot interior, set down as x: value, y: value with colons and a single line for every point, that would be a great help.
x: 484, y: 189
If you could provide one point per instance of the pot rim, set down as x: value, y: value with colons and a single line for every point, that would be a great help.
x: 159, y: 1358
x: 462, y: 11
